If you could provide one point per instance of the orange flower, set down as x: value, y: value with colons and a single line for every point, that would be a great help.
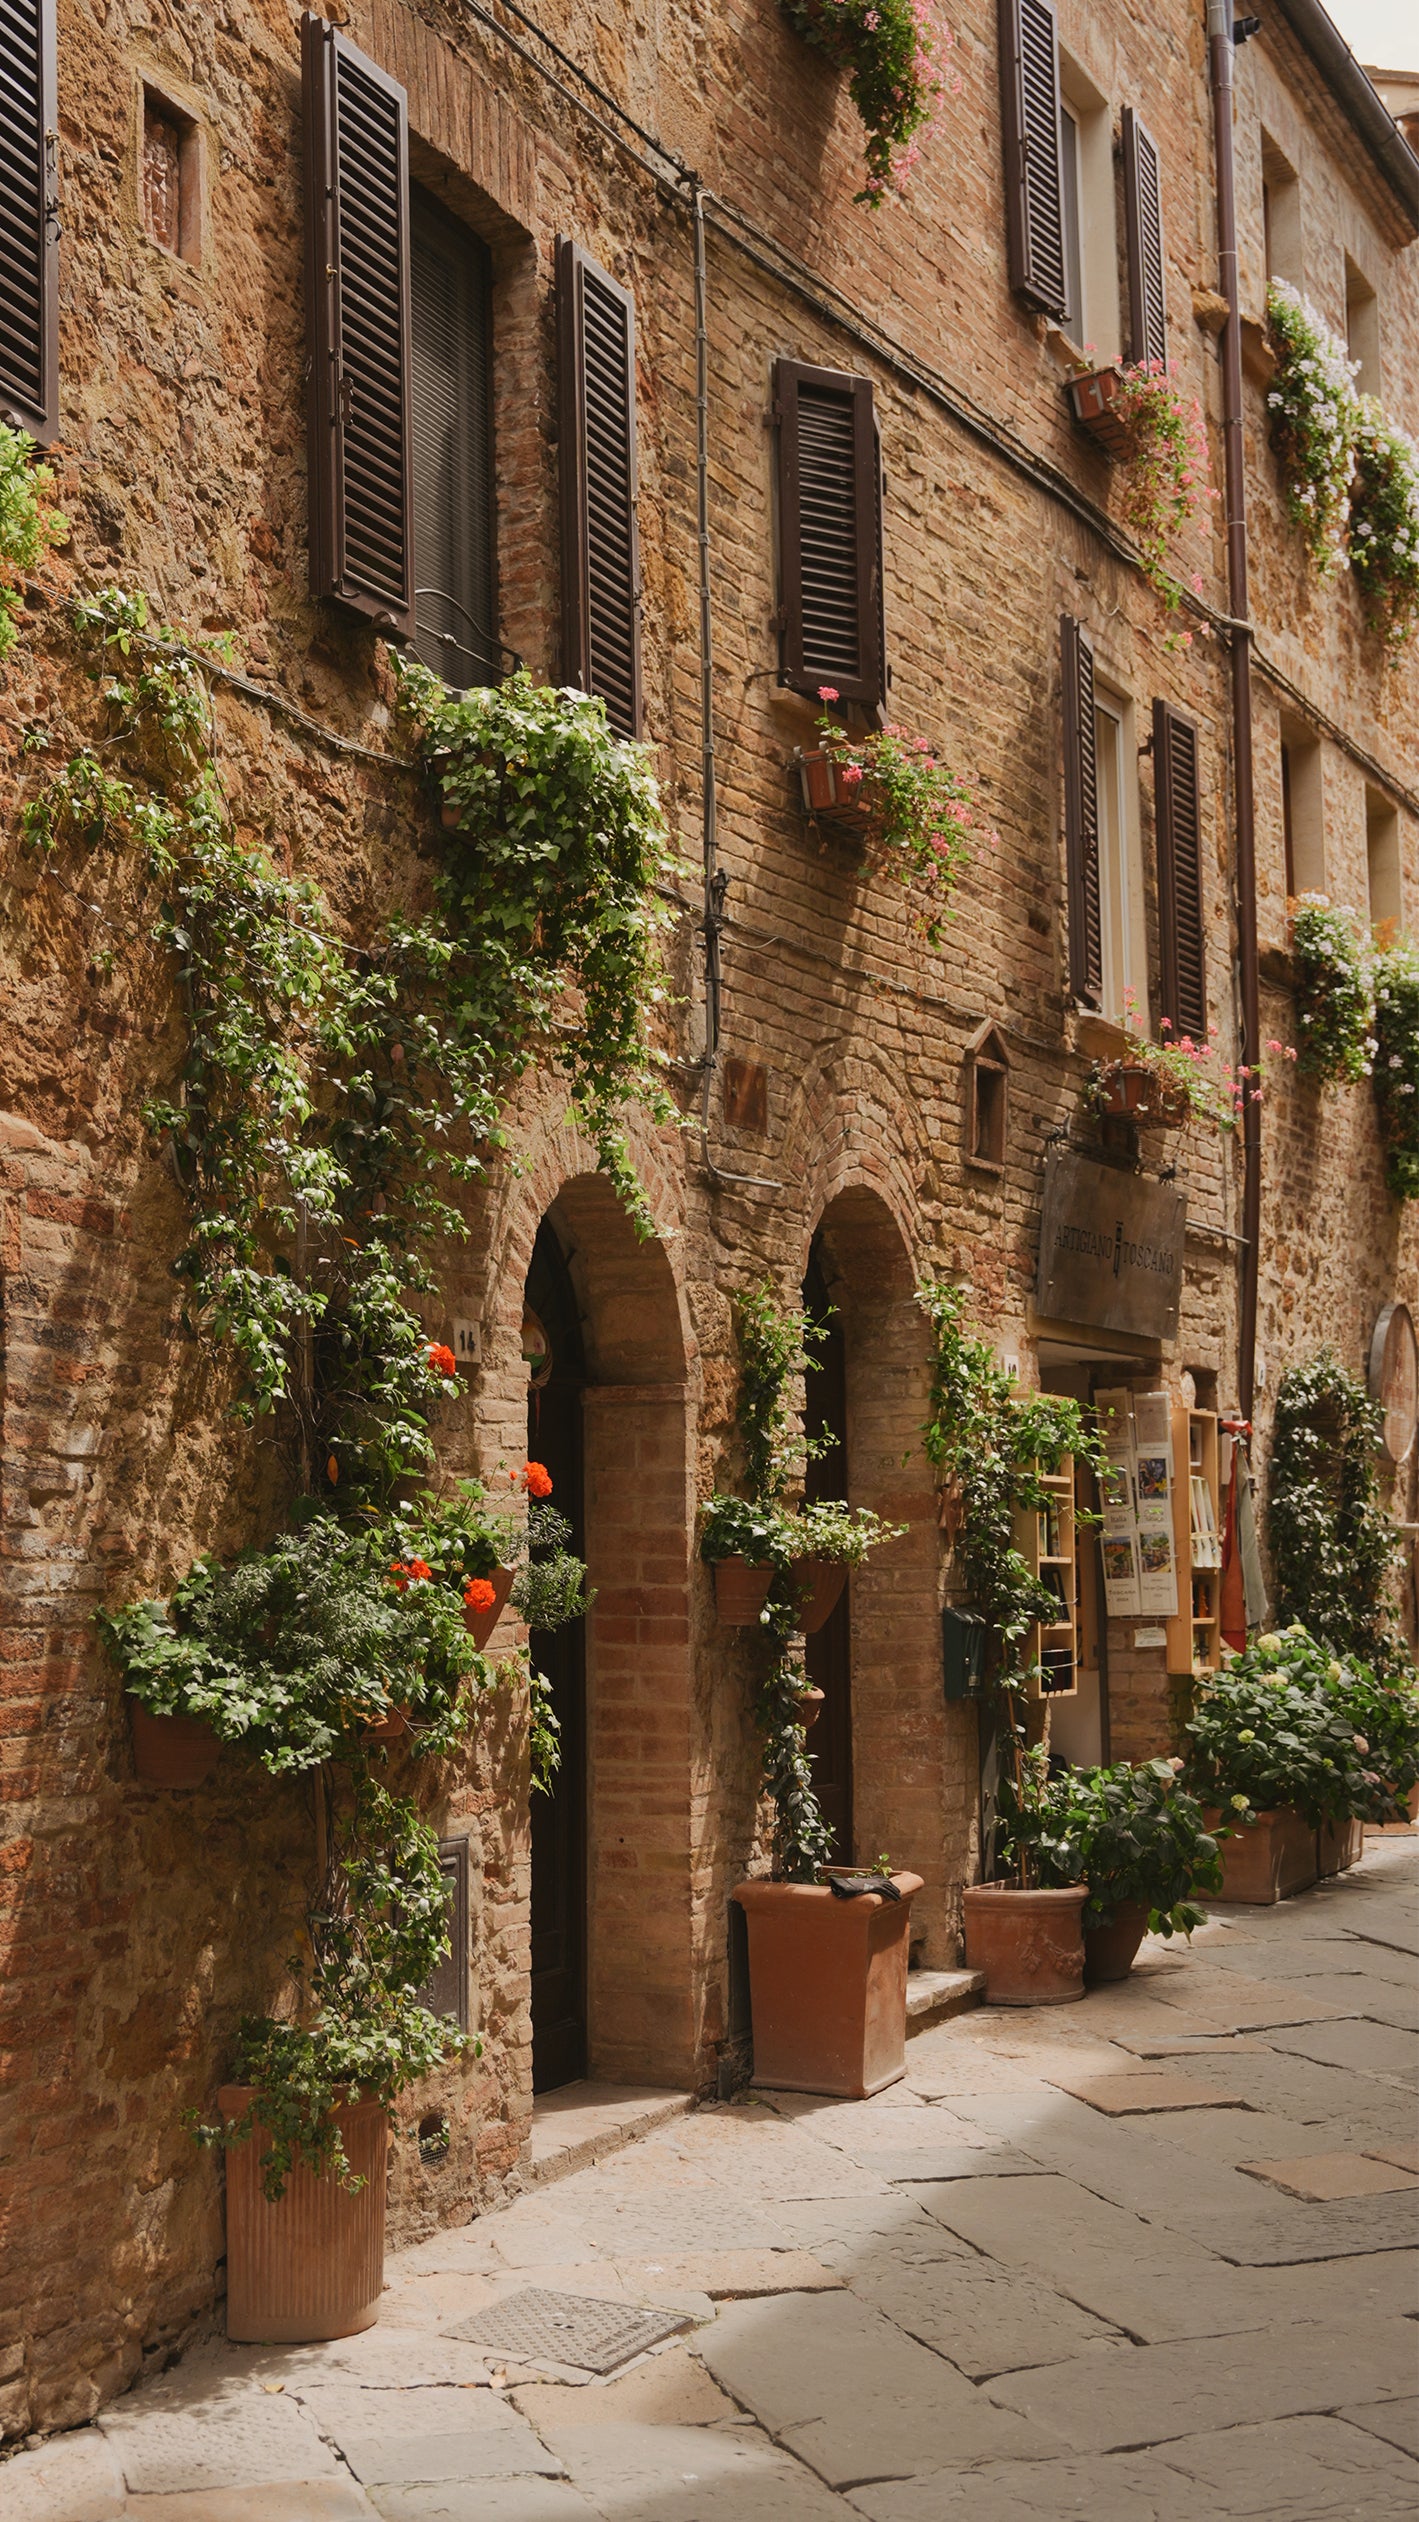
x: 536, y: 1479
x: 442, y: 1359
x: 479, y: 1595
x: 409, y: 1571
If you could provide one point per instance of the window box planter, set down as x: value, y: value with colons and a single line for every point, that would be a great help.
x: 819, y: 1584
x: 1130, y: 1091
x: 832, y: 799
x: 308, y: 2265
x: 481, y: 1624
x: 1267, y: 1859
x: 828, y: 1986
x: 1030, y: 1944
x: 1339, y: 1845
x: 1110, y: 1951
x: 1091, y: 400
x: 741, y: 1590
x: 171, y: 1751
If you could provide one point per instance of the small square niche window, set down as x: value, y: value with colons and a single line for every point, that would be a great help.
x: 169, y: 177
x: 987, y: 1077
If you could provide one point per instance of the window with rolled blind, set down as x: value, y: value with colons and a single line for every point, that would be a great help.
x: 29, y: 220
x: 829, y: 533
x: 357, y: 252
x: 1081, y: 813
x: 601, y: 593
x: 1181, y: 954
x: 1143, y: 214
x: 454, y: 574
x: 1034, y: 165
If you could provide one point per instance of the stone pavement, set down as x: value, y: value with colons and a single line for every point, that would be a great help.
x: 1146, y: 2259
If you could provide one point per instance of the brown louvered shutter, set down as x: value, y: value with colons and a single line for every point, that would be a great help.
x: 1143, y: 217
x: 1081, y: 814
x: 1034, y: 163
x: 357, y: 263
x: 830, y: 532
x: 1180, y: 907
x: 29, y: 220
x: 601, y: 594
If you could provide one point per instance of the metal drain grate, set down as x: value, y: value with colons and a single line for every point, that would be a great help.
x: 536, y: 2327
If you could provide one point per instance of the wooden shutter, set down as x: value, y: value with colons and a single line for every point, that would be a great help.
x: 1034, y: 163
x: 601, y: 592
x: 29, y: 220
x: 1081, y: 814
x: 1143, y: 218
x: 357, y: 264
x: 830, y: 532
x: 1181, y: 927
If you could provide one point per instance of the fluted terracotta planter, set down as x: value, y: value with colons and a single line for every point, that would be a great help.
x: 1111, y: 1950
x: 819, y: 1584
x: 828, y: 1986
x: 1267, y: 1859
x: 1030, y: 1944
x: 741, y: 1590
x: 1339, y: 1845
x: 1092, y: 401
x: 481, y: 1624
x: 810, y: 1707
x: 171, y: 1751
x: 310, y: 2264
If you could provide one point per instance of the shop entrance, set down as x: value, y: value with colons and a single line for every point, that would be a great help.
x: 552, y: 1340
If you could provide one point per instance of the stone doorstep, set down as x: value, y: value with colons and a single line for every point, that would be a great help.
x: 934, y: 1995
x: 581, y: 2123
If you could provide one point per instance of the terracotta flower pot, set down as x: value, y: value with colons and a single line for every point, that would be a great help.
x: 481, y: 1624
x: 740, y: 1592
x: 1092, y: 400
x: 1030, y: 1944
x: 810, y: 1707
x: 1339, y: 1845
x: 828, y: 1986
x: 819, y: 1584
x: 1111, y: 1950
x: 389, y: 1727
x: 171, y: 1750
x: 310, y: 2264
x: 1267, y: 1859
x: 832, y: 797
x: 1130, y: 1091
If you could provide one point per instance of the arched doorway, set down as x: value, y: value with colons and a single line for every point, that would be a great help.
x: 554, y: 1438
x: 828, y: 1653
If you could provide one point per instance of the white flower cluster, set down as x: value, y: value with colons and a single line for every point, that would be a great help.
x: 1318, y: 420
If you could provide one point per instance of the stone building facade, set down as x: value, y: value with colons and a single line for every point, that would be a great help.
x: 825, y: 1113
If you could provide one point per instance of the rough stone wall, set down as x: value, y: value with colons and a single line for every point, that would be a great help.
x: 138, y: 1926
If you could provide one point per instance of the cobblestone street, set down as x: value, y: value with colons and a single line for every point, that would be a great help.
x: 1145, y: 2259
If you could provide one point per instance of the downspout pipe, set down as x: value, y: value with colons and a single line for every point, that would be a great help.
x: 712, y: 916
x: 1220, y: 60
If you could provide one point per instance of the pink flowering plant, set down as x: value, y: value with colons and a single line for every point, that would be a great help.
x: 1167, y: 479
x: 894, y: 55
x: 1192, y: 1076
x: 922, y: 818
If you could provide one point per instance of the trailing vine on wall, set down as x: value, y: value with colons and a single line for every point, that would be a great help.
x: 30, y: 524
x: 1314, y: 421
x: 895, y: 75
x: 1396, y: 1065
x: 1334, y: 1002
x: 1384, y: 524
x: 1333, y: 1547
x: 1167, y: 478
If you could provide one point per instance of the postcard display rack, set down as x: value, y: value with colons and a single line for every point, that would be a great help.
x: 1162, y: 1555
x: 1046, y: 1540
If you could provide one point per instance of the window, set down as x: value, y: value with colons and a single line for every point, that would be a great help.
x: 596, y: 384
x: 1362, y: 328
x: 1382, y: 861
x: 29, y: 221
x: 1302, y: 810
x: 987, y: 1099
x: 829, y: 533
x: 1123, y: 931
x: 1090, y: 237
x: 170, y: 189
x: 454, y: 579
x: 1281, y: 214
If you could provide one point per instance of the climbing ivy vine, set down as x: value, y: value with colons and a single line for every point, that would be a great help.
x: 1333, y: 1547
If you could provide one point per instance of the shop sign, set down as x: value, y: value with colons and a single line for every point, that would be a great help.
x: 1111, y: 1247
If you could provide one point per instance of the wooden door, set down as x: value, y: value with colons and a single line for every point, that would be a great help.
x: 828, y: 1653
x: 554, y: 1437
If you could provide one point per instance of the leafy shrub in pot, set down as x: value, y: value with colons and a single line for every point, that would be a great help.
x: 1142, y: 1845
x: 1270, y: 1734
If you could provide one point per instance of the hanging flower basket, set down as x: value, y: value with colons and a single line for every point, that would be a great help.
x: 834, y: 793
x: 1129, y: 1091
x: 1093, y: 399
x: 819, y: 1584
x: 741, y: 1590
x: 810, y: 1707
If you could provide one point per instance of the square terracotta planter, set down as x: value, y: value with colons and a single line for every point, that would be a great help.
x: 1339, y: 1845
x: 1268, y: 1859
x: 1092, y: 401
x: 828, y: 1986
x: 833, y: 799
x: 308, y: 2265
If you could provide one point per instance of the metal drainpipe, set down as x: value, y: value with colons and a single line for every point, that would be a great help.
x: 1220, y: 57
x: 715, y: 884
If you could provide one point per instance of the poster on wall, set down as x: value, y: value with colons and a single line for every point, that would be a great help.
x: 1118, y: 1542
x: 1136, y: 1490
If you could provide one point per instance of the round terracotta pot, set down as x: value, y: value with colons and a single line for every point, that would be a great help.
x: 389, y: 1727
x: 740, y: 1592
x: 310, y: 2264
x: 820, y: 1584
x: 1111, y: 1950
x: 1030, y: 1944
x: 1135, y: 1093
x: 810, y: 1707
x: 481, y: 1624
x: 171, y: 1750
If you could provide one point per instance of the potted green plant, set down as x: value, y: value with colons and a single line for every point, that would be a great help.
x: 1025, y: 1929
x: 747, y: 1544
x: 1144, y: 1852
x: 1384, y: 1712
x: 827, y: 1538
x: 1273, y: 1757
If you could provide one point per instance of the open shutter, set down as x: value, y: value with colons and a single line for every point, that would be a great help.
x: 1143, y: 217
x: 1180, y: 908
x: 357, y: 272
x: 1034, y: 164
x: 601, y: 592
x: 29, y: 220
x: 1081, y: 814
x: 830, y: 532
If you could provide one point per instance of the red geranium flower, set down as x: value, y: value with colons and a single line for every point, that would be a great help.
x: 479, y: 1595
x: 409, y: 1571
x: 536, y: 1479
x: 442, y: 1359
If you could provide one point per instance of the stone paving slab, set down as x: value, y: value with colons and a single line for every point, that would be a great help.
x: 1119, y: 2487
x: 1375, y: 2000
x: 1395, y: 2421
x: 1326, y: 2176
x: 1104, y: 2402
x: 950, y: 2162
x: 645, y: 2473
x: 984, y: 2320
x: 1306, y: 2469
x: 1289, y: 2234
x: 730, y: 2275
x: 1115, y: 2094
x: 73, y: 2478
x: 1362, y: 2048
x: 309, y: 2500
x: 399, y: 2438
x: 484, y: 2500
x: 233, y: 2437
